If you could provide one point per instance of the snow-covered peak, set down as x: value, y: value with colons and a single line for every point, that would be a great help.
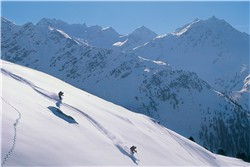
x: 141, y: 31
x: 215, y: 20
x: 138, y: 37
x: 212, y: 24
x: 219, y: 25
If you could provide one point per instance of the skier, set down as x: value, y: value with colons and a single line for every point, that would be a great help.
x: 60, y: 94
x: 132, y: 149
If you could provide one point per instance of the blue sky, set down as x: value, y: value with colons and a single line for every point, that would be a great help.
x: 161, y: 17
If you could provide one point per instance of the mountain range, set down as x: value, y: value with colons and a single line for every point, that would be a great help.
x: 212, y: 48
x: 167, y: 77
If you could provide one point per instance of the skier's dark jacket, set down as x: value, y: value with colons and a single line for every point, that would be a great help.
x: 60, y: 94
x: 133, y: 149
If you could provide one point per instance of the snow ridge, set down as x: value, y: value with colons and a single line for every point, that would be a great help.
x: 184, y: 29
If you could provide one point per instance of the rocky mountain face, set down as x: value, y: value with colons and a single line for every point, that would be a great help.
x: 212, y: 48
x: 178, y: 99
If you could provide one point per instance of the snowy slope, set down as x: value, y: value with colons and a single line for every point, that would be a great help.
x: 212, y: 48
x: 179, y: 99
x: 35, y: 134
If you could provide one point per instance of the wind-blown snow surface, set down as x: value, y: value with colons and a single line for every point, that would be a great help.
x: 103, y: 134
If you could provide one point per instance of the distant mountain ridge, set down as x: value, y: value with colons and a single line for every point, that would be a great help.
x: 212, y: 48
x: 99, y: 36
x: 93, y: 35
x: 179, y: 99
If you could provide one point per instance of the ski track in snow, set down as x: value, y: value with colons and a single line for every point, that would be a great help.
x: 5, y: 159
x: 117, y: 142
x: 25, y: 81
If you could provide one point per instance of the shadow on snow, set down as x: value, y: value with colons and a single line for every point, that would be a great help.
x: 57, y: 112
